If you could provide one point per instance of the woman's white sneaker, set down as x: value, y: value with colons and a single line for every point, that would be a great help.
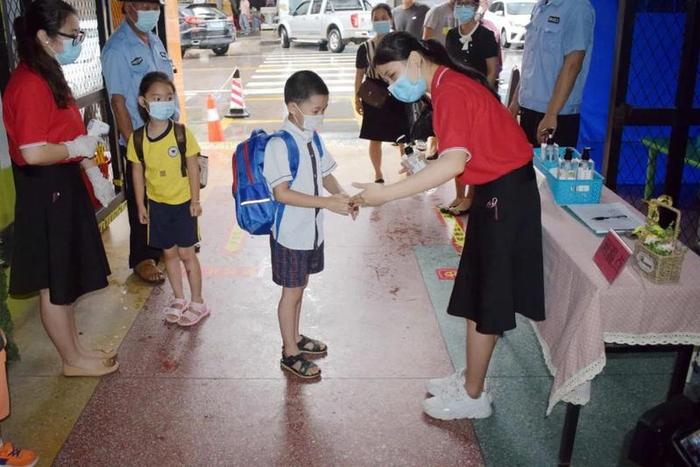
x: 451, y: 384
x: 439, y: 386
x: 457, y: 405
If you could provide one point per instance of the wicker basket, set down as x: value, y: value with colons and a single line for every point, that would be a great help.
x: 660, y: 269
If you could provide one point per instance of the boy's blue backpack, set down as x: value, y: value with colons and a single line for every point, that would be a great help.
x: 256, y: 209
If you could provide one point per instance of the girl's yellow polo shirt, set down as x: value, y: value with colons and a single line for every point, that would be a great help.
x: 164, y: 180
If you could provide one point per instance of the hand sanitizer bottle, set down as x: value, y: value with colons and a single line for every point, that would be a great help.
x: 412, y: 161
x: 553, y: 155
x: 97, y: 128
x: 567, y: 168
x: 585, y: 166
x: 549, y: 151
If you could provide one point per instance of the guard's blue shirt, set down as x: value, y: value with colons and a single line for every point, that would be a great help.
x: 557, y: 28
x: 125, y: 61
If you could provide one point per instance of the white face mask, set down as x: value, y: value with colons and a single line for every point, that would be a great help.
x: 311, y: 122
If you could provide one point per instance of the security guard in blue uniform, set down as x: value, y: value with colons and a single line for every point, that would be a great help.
x: 131, y: 52
x: 556, y: 59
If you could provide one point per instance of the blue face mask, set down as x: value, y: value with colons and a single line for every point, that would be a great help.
x: 407, y: 91
x: 464, y: 13
x: 147, y: 20
x: 70, y: 52
x: 161, y: 110
x: 381, y: 27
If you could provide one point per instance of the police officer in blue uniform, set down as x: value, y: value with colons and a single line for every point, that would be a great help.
x: 131, y: 52
x: 556, y: 59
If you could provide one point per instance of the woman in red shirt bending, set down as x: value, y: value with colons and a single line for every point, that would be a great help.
x: 500, y: 272
x: 57, y: 247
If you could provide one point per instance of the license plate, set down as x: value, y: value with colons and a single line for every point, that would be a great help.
x: 216, y: 25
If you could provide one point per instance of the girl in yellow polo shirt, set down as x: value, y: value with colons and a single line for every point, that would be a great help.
x: 168, y: 201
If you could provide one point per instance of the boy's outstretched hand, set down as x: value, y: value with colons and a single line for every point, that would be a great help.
x: 339, y: 204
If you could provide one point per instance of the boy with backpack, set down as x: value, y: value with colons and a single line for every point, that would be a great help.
x: 297, y: 184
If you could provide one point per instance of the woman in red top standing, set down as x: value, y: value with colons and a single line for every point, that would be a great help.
x: 57, y: 247
x: 500, y: 272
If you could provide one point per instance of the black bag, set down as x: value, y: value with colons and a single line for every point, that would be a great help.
x: 372, y: 91
x: 420, y: 120
x: 654, y: 440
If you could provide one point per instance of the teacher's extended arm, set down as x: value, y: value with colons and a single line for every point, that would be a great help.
x: 447, y: 167
x: 49, y: 153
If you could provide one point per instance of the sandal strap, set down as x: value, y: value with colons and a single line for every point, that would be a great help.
x: 305, y: 366
x: 190, y: 315
x: 318, y: 346
x: 172, y: 309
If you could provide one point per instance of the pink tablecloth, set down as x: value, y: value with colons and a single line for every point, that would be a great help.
x: 584, y: 312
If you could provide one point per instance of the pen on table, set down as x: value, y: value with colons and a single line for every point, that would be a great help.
x: 603, y: 218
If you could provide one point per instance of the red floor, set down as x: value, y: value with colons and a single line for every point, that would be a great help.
x: 215, y: 395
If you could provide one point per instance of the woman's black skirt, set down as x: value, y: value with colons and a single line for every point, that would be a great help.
x: 500, y: 272
x: 386, y: 123
x: 57, y: 244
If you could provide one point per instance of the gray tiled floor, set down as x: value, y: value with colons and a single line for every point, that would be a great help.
x: 519, y: 433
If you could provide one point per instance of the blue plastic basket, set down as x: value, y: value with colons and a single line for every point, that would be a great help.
x: 569, y: 191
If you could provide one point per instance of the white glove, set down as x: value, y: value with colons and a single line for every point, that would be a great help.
x: 82, y: 146
x: 103, y: 188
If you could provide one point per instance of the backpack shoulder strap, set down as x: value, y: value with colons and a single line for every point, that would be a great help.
x: 138, y: 143
x: 292, y: 151
x: 293, y: 157
x: 317, y: 140
x: 181, y: 139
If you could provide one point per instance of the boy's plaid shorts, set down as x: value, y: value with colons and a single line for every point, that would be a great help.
x: 291, y: 268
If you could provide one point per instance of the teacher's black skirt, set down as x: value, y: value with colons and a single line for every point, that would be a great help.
x: 57, y: 244
x: 500, y: 272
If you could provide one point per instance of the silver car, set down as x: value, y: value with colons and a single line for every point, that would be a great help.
x: 330, y: 23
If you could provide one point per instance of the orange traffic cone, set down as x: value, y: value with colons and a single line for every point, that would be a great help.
x: 237, y: 101
x: 216, y: 133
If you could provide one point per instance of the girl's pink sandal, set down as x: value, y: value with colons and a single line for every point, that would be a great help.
x: 174, y: 311
x: 194, y: 314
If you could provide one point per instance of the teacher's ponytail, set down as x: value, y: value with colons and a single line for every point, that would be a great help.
x: 397, y: 46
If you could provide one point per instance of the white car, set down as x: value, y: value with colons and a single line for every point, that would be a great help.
x: 510, y: 17
x: 330, y: 23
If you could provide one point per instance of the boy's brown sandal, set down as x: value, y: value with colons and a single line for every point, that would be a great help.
x: 311, y: 346
x: 304, y: 368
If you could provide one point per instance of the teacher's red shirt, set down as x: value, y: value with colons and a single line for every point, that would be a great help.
x: 32, y: 117
x: 466, y: 116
